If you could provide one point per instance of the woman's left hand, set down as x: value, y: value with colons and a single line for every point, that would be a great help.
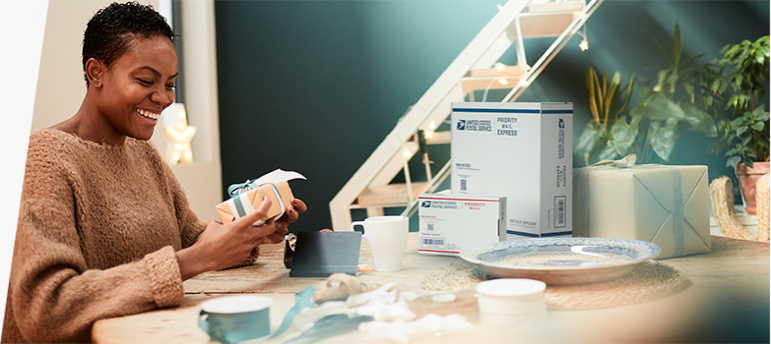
x: 291, y: 214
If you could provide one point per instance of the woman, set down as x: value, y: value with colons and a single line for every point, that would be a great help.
x: 104, y: 227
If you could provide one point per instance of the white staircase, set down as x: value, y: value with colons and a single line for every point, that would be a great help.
x: 475, y: 69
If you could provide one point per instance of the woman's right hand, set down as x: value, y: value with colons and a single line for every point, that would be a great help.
x: 223, y: 245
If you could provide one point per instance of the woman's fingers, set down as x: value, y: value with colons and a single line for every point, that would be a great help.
x: 299, y: 205
x: 293, y: 211
x: 257, y: 214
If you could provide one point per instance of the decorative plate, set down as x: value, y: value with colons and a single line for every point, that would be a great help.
x: 560, y: 261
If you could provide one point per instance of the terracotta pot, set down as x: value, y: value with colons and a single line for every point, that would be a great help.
x: 748, y: 177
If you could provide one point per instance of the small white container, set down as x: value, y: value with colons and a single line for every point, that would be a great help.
x: 506, y: 301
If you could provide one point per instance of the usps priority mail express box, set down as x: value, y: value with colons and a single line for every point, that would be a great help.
x: 448, y: 223
x: 523, y: 151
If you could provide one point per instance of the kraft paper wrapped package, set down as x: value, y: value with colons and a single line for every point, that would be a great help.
x: 666, y: 205
x: 280, y: 195
x: 247, y: 197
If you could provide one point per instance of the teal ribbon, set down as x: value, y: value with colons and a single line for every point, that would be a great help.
x: 581, y: 179
x: 678, y: 216
x: 303, y: 299
x: 239, y: 206
x: 236, y: 189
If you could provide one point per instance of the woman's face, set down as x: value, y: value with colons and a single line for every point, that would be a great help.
x: 137, y: 86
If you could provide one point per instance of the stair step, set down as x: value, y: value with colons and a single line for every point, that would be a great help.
x: 391, y: 195
x: 546, y: 24
x: 439, y: 138
x: 555, y: 6
x: 470, y: 84
x: 491, y: 78
x: 496, y: 71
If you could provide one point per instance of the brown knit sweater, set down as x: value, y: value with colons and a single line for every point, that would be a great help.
x: 98, y: 229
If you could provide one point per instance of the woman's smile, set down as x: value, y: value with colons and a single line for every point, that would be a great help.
x: 148, y: 114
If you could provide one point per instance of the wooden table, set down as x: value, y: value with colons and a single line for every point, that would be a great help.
x: 728, y: 301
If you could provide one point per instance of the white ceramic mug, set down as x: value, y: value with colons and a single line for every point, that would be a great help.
x: 387, y: 238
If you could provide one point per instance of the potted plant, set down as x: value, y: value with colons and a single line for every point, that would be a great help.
x: 679, y: 98
x: 745, y: 129
x: 608, y: 135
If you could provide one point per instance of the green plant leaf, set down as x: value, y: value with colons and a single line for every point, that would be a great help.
x: 589, y: 138
x: 677, y: 48
x: 659, y: 107
x: 662, y: 139
x: 761, y: 114
x: 758, y: 126
x: 624, y: 135
x: 592, y: 86
x: 699, y: 120
x: 733, y: 161
x: 607, y: 152
x: 628, y: 97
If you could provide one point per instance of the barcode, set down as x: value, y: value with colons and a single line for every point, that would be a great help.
x: 427, y: 241
x: 559, y: 209
x: 463, y: 185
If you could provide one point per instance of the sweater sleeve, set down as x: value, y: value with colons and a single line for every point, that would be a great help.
x: 54, y: 295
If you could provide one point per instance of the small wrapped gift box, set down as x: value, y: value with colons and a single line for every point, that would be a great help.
x: 663, y: 204
x: 246, y: 202
x: 247, y: 197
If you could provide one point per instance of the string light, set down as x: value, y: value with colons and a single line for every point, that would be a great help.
x: 584, y: 44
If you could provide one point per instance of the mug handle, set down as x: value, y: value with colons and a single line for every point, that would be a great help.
x: 356, y: 223
x: 203, y: 322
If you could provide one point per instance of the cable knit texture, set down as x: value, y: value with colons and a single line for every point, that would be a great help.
x: 98, y: 229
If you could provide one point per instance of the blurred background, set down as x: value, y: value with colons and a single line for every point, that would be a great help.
x: 315, y: 86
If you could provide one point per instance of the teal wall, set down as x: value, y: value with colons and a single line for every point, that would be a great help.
x: 315, y: 86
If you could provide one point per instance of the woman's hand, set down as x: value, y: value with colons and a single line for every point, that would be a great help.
x: 223, y: 245
x: 291, y: 214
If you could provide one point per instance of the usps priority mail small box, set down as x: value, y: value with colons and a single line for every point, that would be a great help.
x: 523, y: 151
x: 448, y: 223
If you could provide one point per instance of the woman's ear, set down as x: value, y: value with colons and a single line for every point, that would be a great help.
x: 94, y: 72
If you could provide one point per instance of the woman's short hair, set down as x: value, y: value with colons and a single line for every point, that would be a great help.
x: 110, y: 31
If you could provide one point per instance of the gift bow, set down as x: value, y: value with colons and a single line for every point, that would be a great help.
x: 627, y: 161
x: 237, y: 189
x: 678, y: 217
